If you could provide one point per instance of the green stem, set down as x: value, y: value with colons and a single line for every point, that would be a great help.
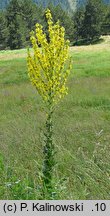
x: 48, y: 151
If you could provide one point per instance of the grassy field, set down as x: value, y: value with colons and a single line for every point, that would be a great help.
x: 81, y: 128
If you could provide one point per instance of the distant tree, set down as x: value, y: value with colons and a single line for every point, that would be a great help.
x: 91, y: 27
x: 106, y: 22
x: 78, y: 18
x: 31, y: 14
x: 14, y: 22
x: 3, y: 31
x: 21, y: 17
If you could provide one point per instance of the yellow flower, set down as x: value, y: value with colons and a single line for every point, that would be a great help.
x: 48, y: 67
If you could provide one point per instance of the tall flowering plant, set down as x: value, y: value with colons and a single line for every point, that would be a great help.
x: 48, y: 69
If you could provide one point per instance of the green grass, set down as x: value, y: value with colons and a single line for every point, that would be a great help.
x: 81, y: 129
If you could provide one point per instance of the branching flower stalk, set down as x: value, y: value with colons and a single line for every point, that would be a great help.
x: 48, y: 69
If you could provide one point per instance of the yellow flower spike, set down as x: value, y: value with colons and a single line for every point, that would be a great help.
x: 49, y: 67
x: 48, y: 14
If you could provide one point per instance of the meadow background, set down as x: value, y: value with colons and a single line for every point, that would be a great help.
x: 81, y: 128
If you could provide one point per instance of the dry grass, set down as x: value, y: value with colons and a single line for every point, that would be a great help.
x: 9, y: 55
x: 105, y: 45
